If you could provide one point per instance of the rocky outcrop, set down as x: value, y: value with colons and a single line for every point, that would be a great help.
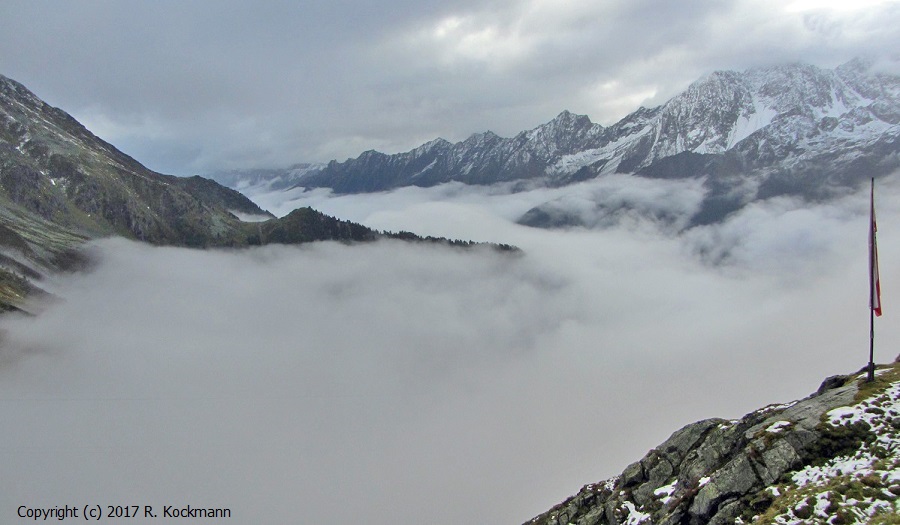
x: 765, y: 465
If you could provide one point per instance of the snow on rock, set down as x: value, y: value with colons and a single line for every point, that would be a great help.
x: 857, y: 485
x: 664, y: 493
x: 778, y: 426
x: 635, y: 517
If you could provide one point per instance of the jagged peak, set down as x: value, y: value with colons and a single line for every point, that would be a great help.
x: 371, y: 154
x: 430, y: 146
x: 562, y: 125
x: 718, y: 81
x: 434, y: 143
x: 717, y: 76
x: 481, y: 137
x: 566, y: 117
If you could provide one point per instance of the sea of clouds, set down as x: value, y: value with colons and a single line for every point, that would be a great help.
x: 400, y: 383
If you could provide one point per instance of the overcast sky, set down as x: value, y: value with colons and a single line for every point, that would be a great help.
x: 187, y: 87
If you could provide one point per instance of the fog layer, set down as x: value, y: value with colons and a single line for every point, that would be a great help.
x: 398, y: 383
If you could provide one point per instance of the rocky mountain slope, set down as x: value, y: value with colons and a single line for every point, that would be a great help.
x: 60, y: 185
x: 832, y: 458
x: 55, y: 169
x: 785, y: 130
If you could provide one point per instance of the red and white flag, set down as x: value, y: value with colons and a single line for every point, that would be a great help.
x: 874, y: 282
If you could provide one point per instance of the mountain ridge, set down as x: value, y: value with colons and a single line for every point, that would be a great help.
x: 57, y: 169
x: 795, y: 130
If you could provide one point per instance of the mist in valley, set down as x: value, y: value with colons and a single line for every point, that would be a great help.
x: 405, y: 383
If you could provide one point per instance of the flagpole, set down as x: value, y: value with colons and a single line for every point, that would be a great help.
x: 871, y: 375
x: 872, y: 261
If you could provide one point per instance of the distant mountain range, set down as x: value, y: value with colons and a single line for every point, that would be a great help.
x: 785, y: 130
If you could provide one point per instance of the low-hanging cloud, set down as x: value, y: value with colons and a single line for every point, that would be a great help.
x: 599, y: 203
x: 400, y: 383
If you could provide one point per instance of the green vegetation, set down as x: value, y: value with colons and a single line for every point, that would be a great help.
x: 885, y: 376
x: 885, y: 518
x: 847, y: 497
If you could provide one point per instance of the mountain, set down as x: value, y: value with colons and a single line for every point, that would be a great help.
x: 484, y: 158
x: 833, y: 457
x: 782, y: 130
x: 60, y: 186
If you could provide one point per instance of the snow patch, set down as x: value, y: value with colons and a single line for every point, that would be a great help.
x: 823, y: 504
x: 569, y: 164
x: 423, y: 170
x: 778, y: 426
x: 748, y: 124
x: 877, y: 458
x: 635, y: 517
x: 664, y: 493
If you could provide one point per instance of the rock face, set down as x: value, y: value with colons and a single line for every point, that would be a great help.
x: 834, y: 453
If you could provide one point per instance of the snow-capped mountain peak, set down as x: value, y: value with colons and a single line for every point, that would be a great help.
x: 793, y: 128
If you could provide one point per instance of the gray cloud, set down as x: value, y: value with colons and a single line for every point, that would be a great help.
x: 390, y: 383
x: 191, y: 87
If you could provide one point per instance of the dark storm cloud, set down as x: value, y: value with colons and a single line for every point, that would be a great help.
x: 187, y: 87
